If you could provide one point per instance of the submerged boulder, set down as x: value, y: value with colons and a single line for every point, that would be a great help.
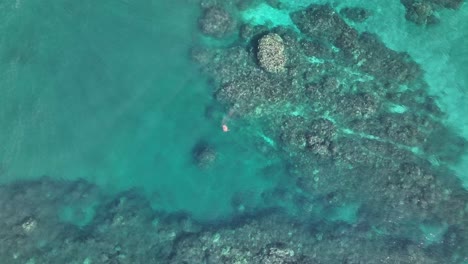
x: 216, y: 22
x: 271, y: 54
x: 355, y: 14
x: 204, y: 155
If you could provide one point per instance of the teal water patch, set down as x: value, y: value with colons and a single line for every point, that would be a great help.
x: 347, y: 213
x: 264, y: 14
x: 106, y: 91
x: 300, y: 4
x: 433, y: 233
x: 79, y: 216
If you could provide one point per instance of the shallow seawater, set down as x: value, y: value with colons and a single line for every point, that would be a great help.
x: 107, y: 92
x: 111, y: 133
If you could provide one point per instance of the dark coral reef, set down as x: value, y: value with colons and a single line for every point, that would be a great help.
x: 124, y: 229
x: 424, y: 12
x: 352, y: 118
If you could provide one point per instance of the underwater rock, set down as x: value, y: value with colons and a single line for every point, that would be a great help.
x: 204, y: 155
x: 365, y: 50
x: 420, y: 13
x: 294, y: 139
x: 423, y: 12
x: 316, y: 49
x: 270, y: 243
x: 320, y: 22
x: 384, y: 63
x: 276, y: 254
x: 216, y: 22
x: 251, y: 92
x: 356, y: 14
x: 357, y: 106
x: 293, y: 134
x: 267, y: 243
x: 320, y: 136
x: 270, y: 54
x: 127, y: 230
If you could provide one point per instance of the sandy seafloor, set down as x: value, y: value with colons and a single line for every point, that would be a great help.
x: 106, y: 92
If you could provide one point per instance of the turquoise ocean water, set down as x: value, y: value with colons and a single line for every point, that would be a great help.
x: 107, y: 92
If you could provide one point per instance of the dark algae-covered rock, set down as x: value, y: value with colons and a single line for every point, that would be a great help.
x: 424, y: 12
x: 355, y: 124
x: 216, y: 22
x: 204, y: 155
x: 356, y: 14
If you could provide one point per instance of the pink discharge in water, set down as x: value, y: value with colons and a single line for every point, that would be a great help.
x: 225, y: 120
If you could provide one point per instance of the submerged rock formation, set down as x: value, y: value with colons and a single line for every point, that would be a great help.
x: 204, y: 155
x: 216, y: 22
x: 271, y: 54
x: 124, y: 229
x: 353, y: 121
x: 424, y: 12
